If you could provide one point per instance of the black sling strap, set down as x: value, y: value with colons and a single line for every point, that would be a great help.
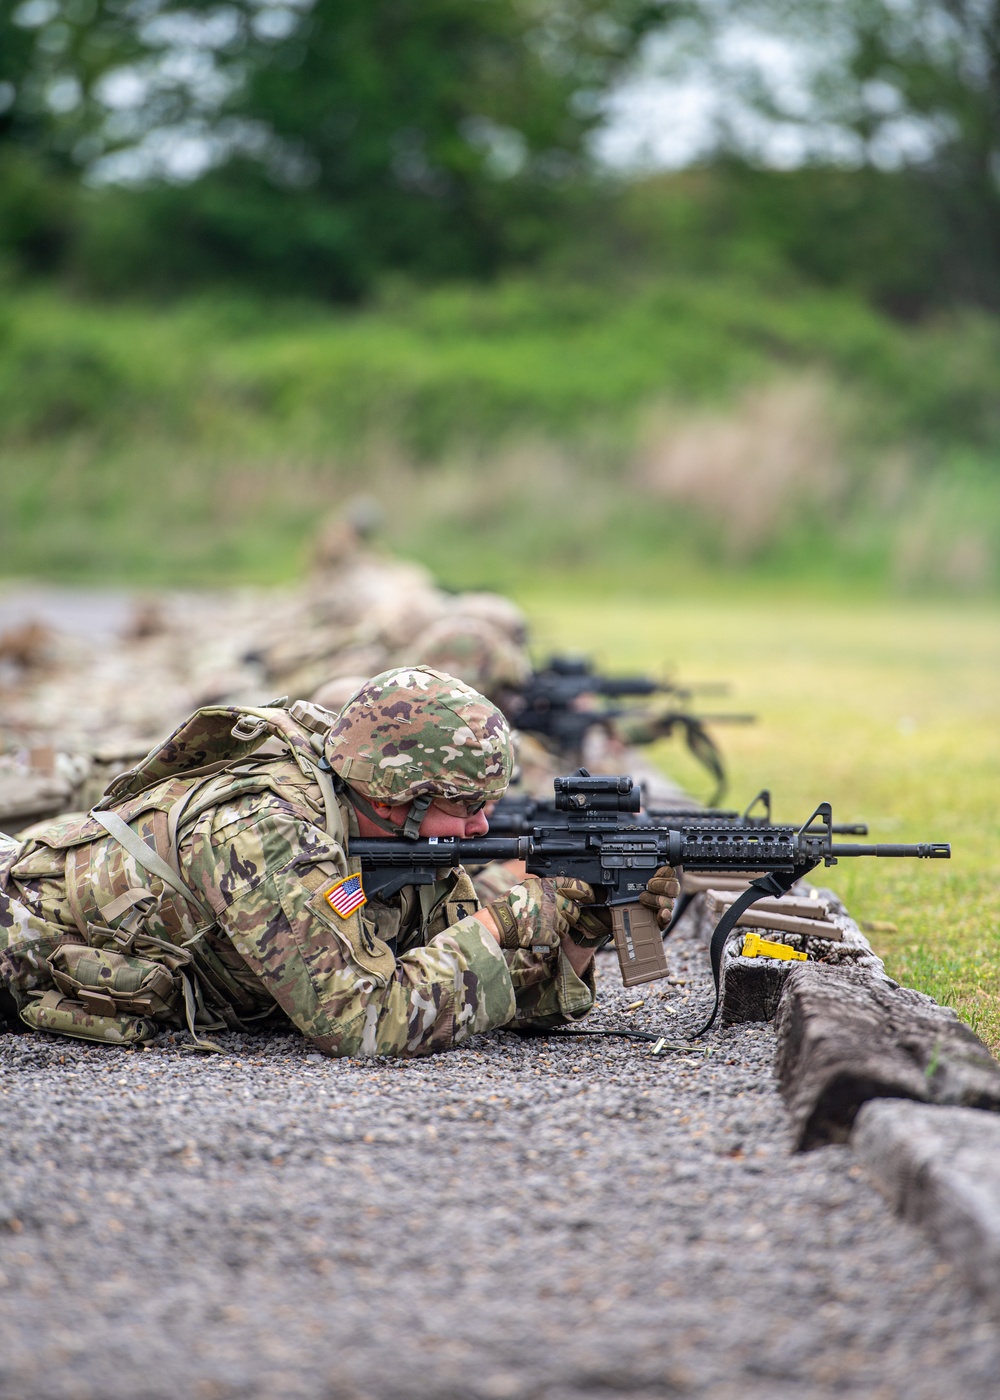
x: 775, y: 883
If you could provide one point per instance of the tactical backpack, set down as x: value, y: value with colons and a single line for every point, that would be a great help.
x: 146, y: 950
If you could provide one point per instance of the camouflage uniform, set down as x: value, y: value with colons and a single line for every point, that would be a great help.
x: 227, y: 898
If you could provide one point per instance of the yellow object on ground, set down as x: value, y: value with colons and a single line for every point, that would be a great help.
x: 756, y: 947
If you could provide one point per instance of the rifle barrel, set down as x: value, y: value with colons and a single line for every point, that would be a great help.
x: 725, y: 719
x: 924, y: 850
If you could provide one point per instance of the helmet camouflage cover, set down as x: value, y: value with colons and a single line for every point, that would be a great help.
x: 413, y: 732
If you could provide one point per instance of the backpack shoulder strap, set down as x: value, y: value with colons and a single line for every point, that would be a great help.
x: 144, y: 854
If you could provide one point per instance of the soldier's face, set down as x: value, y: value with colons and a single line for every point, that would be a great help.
x: 447, y: 820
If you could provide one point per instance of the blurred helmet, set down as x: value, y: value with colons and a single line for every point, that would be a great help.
x: 474, y: 650
x: 397, y: 619
x: 498, y: 611
x: 342, y: 535
x: 413, y: 733
x: 334, y: 694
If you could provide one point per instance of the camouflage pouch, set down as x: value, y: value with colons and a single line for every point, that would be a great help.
x: 106, y: 983
x: 62, y: 1016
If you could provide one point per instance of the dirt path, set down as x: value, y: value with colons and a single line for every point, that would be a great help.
x: 95, y: 614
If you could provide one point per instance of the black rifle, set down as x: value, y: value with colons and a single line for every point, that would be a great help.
x: 547, y: 705
x: 517, y: 814
x: 565, y: 678
x: 600, y: 841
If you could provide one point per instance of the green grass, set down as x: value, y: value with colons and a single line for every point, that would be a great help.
x: 889, y: 711
x: 199, y: 443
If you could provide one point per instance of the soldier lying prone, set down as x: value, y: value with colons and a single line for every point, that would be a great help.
x: 215, y: 886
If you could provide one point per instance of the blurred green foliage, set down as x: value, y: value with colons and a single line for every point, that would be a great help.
x: 466, y: 366
x: 351, y: 139
x: 885, y: 235
x: 403, y: 274
x: 327, y: 142
x: 204, y: 441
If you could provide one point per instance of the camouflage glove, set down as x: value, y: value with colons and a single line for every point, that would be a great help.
x: 660, y: 893
x: 539, y: 911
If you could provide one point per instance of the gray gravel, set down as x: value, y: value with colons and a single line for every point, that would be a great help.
x: 545, y: 1218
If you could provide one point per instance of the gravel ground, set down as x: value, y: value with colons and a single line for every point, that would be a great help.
x: 548, y: 1218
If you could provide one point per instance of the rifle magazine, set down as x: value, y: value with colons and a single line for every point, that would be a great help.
x: 638, y: 943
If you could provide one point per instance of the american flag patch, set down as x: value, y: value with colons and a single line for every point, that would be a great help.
x: 346, y: 896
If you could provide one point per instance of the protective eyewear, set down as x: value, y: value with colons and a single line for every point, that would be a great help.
x: 460, y: 808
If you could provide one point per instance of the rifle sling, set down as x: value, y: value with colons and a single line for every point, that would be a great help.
x: 776, y: 883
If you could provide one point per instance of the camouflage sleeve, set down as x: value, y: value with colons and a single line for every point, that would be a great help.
x: 346, y: 990
x: 34, y: 917
x: 548, y: 991
x: 26, y: 940
x: 338, y: 983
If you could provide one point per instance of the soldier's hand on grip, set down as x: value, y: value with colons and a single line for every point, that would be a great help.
x: 593, y: 928
x: 539, y: 911
x: 660, y: 893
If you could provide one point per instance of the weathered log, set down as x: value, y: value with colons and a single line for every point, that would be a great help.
x: 751, y: 988
x: 784, y: 923
x: 939, y: 1168
x: 846, y: 1035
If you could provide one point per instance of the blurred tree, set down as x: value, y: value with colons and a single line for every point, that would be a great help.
x: 53, y: 54
x: 935, y: 65
x: 916, y: 85
x: 876, y: 232
x: 313, y: 145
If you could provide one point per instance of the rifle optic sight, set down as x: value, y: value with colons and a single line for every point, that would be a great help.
x: 582, y: 792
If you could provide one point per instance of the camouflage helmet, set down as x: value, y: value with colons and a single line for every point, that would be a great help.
x: 413, y: 733
x: 498, y: 611
x: 474, y: 650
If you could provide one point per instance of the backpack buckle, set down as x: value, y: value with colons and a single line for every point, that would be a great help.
x: 246, y: 729
x: 96, y: 1003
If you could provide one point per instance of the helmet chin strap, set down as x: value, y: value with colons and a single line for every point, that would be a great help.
x: 414, y: 817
